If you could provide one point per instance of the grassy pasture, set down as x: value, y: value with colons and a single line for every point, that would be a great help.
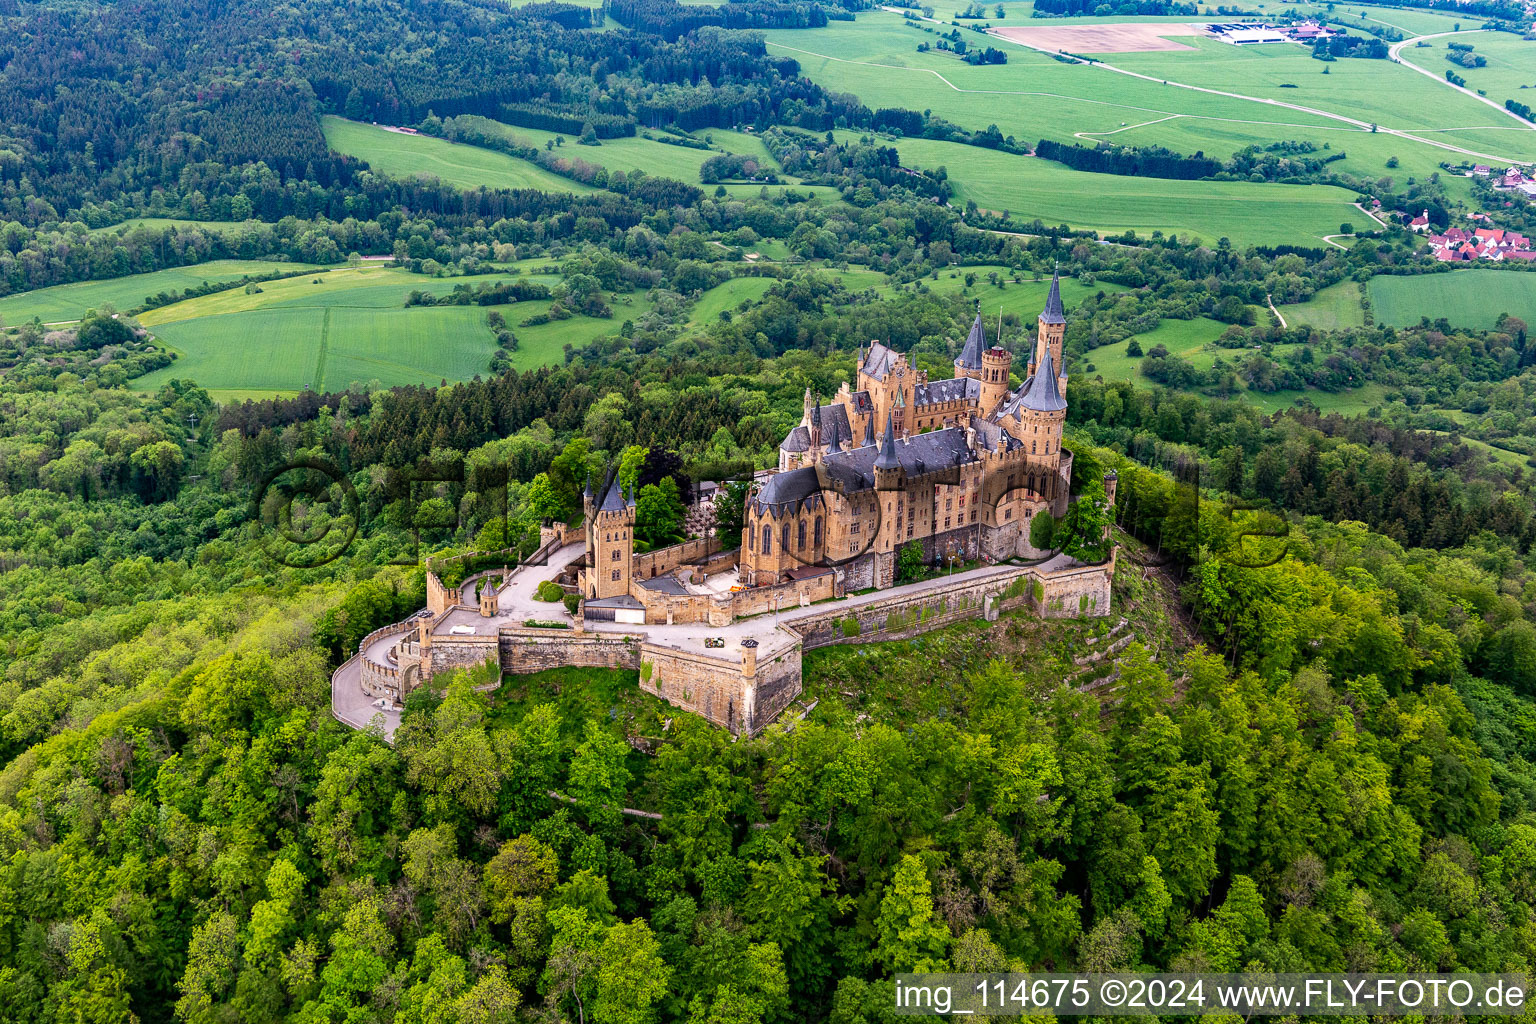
x: 1333, y: 308
x: 350, y: 328
x: 1467, y: 298
x: 1034, y: 96
x: 1184, y: 338
x: 1028, y: 187
x: 403, y: 156
x: 648, y: 155
x: 728, y: 296
x: 70, y: 301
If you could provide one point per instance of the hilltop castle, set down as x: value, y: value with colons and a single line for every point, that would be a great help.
x: 960, y: 466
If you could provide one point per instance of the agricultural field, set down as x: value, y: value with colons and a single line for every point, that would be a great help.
x: 648, y: 154
x: 727, y: 296
x: 1467, y: 298
x: 403, y: 156
x: 353, y: 328
x: 1035, y: 96
x: 1028, y: 187
x: 66, y: 302
x: 1334, y: 308
x: 1184, y: 338
x: 1510, y: 73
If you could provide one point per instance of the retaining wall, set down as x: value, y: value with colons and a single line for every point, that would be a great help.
x: 535, y: 650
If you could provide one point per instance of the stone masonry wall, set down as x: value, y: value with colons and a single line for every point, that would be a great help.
x: 717, y: 689
x: 1074, y: 592
x: 535, y: 650
x: 664, y: 560
x: 451, y: 652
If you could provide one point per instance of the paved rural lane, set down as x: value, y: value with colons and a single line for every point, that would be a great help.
x: 1395, y: 52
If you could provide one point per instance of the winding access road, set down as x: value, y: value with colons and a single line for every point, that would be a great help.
x: 1395, y: 52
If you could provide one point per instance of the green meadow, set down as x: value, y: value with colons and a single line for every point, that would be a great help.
x: 1034, y: 96
x: 1467, y: 298
x: 66, y: 302
x: 1028, y: 187
x: 353, y: 328
x: 404, y: 156
x: 646, y: 154
x: 1184, y: 338
x: 1331, y: 309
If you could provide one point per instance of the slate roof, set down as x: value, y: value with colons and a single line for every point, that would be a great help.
x: 834, y: 423
x: 1041, y: 392
x: 1053, y: 313
x: 854, y: 469
x: 989, y: 433
x: 975, y: 344
x: 879, y: 361
x: 788, y: 489
x: 956, y: 388
x: 668, y: 584
x: 614, y: 498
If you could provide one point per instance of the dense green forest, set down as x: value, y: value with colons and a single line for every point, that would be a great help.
x: 1320, y: 763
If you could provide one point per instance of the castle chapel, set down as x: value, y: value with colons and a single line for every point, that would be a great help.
x: 960, y: 466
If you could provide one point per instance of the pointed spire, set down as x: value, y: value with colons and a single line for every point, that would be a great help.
x: 975, y: 344
x: 1041, y: 393
x: 835, y: 442
x: 816, y: 413
x: 901, y: 398
x: 887, y: 457
x: 1053, y: 313
x: 869, y: 432
x: 586, y: 492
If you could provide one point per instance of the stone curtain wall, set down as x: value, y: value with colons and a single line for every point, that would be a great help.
x: 439, y: 597
x: 381, y: 680
x: 1073, y: 592
x: 450, y: 652
x: 741, y: 698
x: 760, y: 600
x: 534, y: 650
x: 664, y: 560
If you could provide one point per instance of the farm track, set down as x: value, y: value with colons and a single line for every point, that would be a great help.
x: 1355, y: 123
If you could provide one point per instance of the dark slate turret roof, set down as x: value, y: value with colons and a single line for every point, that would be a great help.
x: 797, y: 440
x: 887, y: 457
x: 1053, y: 313
x: 614, y: 499
x: 975, y: 345
x: 1041, y: 392
x: 869, y: 432
x: 956, y: 388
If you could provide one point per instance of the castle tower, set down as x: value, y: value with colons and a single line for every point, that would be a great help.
x: 889, y: 481
x: 996, y: 365
x: 610, y: 544
x: 1053, y: 329
x: 1039, y: 415
x: 970, y: 362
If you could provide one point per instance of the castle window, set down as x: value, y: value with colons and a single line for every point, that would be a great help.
x: 973, y: 515
x: 767, y: 538
x: 784, y: 539
x: 751, y: 539
x: 817, y: 541
x: 1032, y: 446
x: 615, y: 557
x: 800, y: 538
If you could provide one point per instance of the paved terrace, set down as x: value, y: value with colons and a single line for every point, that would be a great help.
x: 517, y: 603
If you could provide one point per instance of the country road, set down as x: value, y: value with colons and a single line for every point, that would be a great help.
x: 1395, y: 52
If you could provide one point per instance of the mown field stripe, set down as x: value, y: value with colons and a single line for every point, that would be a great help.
x: 325, y: 339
